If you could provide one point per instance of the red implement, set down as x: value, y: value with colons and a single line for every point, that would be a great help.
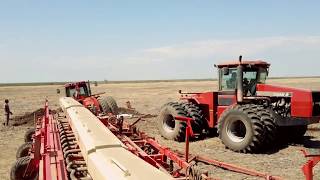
x: 46, y: 156
x: 179, y: 165
x: 313, y: 156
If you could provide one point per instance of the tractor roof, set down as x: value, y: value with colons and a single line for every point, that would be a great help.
x: 74, y: 84
x: 236, y: 63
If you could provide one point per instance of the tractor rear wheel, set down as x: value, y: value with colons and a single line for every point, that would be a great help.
x: 194, y: 112
x: 169, y: 127
x: 28, y: 135
x: 240, y: 128
x: 108, y: 105
x: 19, y: 168
x: 23, y: 150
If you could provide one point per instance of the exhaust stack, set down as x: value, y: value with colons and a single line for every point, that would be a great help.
x: 240, y: 81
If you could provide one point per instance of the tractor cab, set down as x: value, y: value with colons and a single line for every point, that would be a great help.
x: 78, y: 90
x: 253, y: 73
x: 97, y: 104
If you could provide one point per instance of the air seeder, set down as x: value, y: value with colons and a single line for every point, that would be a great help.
x: 248, y: 114
x: 82, y: 146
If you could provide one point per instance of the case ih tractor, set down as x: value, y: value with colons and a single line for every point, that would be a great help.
x: 81, y: 91
x: 248, y: 114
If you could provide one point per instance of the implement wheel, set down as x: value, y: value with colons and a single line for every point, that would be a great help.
x: 28, y: 135
x: 18, y: 169
x: 240, y: 128
x: 23, y: 150
x: 169, y: 127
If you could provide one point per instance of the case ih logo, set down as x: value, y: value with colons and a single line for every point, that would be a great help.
x: 274, y: 94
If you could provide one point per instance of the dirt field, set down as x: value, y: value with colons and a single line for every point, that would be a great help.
x: 147, y: 98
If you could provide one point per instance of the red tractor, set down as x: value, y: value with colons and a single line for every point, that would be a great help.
x: 97, y: 104
x: 247, y: 114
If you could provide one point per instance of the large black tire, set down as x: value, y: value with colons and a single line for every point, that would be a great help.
x: 194, y: 112
x: 18, y: 169
x: 105, y: 108
x: 109, y: 105
x: 270, y: 126
x: 240, y: 128
x: 113, y: 105
x: 169, y: 128
x: 23, y: 150
x: 28, y: 135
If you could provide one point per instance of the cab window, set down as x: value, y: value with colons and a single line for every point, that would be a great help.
x: 263, y: 73
x: 83, y: 91
x: 228, y: 82
x: 70, y: 91
x: 249, y: 77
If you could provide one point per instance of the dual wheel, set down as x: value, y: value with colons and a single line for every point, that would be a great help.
x: 174, y: 129
x: 18, y: 169
x: 252, y: 128
x: 247, y: 128
x: 108, y: 105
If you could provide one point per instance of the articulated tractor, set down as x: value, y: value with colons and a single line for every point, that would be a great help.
x: 248, y: 114
x: 97, y: 104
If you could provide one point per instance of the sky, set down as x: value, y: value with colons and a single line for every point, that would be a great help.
x: 42, y: 41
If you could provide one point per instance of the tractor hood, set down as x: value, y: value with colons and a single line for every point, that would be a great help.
x: 304, y: 102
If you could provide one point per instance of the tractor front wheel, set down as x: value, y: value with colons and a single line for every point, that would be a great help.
x: 28, y: 135
x: 193, y: 111
x: 240, y: 128
x: 23, y: 150
x: 169, y: 127
x: 18, y: 169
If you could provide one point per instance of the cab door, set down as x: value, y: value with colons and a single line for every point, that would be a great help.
x: 227, y: 90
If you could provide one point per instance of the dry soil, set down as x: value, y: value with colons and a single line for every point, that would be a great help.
x: 147, y: 98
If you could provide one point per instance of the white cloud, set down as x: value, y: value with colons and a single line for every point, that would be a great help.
x: 289, y: 55
x: 223, y: 48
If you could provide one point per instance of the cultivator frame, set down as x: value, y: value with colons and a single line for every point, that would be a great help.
x: 56, y: 153
x: 49, y: 152
x: 46, y: 158
x: 176, y: 163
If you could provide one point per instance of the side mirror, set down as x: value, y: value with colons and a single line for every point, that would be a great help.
x: 225, y: 71
x: 58, y: 91
x: 179, y: 91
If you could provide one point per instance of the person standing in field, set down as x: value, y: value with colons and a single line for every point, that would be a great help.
x: 7, y: 112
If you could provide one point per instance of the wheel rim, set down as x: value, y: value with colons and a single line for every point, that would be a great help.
x: 236, y: 130
x: 169, y: 123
